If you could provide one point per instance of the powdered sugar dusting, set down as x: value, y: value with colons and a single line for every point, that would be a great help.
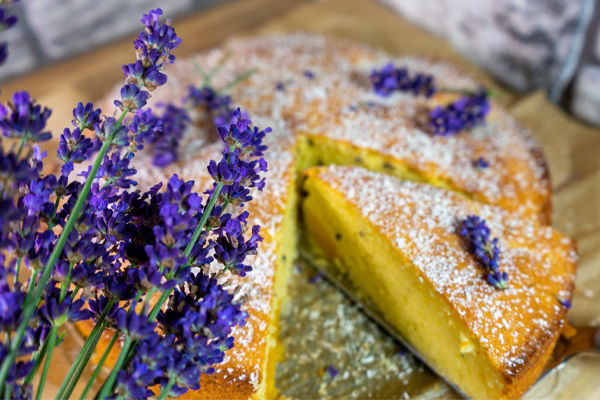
x: 422, y: 223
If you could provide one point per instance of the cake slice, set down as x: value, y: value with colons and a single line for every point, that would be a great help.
x: 398, y: 243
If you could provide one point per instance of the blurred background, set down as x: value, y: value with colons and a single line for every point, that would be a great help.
x: 526, y: 45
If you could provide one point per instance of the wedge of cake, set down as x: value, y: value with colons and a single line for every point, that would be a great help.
x: 399, y: 243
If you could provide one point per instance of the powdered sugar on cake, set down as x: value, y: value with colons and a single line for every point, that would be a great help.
x: 422, y: 223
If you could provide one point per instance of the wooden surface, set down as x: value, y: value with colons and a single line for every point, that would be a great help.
x: 572, y: 149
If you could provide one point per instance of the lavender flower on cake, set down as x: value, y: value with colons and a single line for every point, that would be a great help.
x: 465, y: 113
x: 391, y: 78
x: 476, y: 234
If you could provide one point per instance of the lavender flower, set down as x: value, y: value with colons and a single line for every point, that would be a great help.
x: 391, y: 79
x: 566, y: 303
x: 74, y: 146
x: 85, y: 117
x: 476, y: 234
x: 132, y: 97
x: 6, y: 22
x: 167, y: 137
x: 24, y: 119
x: 211, y: 102
x: 331, y: 371
x: 463, y: 114
x: 134, y: 325
x: 481, y: 163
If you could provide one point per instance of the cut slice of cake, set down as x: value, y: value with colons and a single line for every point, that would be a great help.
x: 398, y: 242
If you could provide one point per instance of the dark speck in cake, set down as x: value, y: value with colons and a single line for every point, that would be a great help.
x: 388, y: 166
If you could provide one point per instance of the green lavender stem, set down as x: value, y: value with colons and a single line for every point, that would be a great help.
x: 66, y: 283
x: 107, y: 387
x: 21, y: 146
x: 165, y: 392
x: 99, y: 366
x: 239, y: 79
x: 82, y: 364
x: 37, y: 357
x: 51, y: 345
x: 83, y: 355
x: 16, y: 277
x: 31, y: 306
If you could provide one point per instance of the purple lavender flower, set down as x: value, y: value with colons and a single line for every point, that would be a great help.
x: 481, y: 163
x: 57, y: 312
x: 463, y: 114
x: 232, y: 248
x: 144, y: 126
x: 391, y: 79
x: 476, y: 234
x: 154, y: 45
x: 134, y: 325
x: 208, y: 99
x: 85, y: 117
x: 74, y: 146
x: 6, y: 21
x: 24, y: 119
x: 108, y: 129
x: 166, y: 138
x: 115, y: 170
x: 11, y: 303
x: 309, y: 74
x: 132, y: 97
x: 331, y: 371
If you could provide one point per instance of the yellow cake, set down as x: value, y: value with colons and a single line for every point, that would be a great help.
x: 316, y: 96
x: 398, y: 243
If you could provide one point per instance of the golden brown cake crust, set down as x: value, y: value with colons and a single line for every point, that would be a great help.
x: 518, y: 326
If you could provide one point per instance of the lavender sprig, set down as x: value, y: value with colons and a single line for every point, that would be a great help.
x: 465, y: 113
x: 117, y: 247
x: 40, y: 249
x: 6, y: 22
x: 476, y: 234
x: 391, y: 78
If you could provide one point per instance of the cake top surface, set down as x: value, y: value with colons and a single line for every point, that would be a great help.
x: 306, y: 83
x: 422, y: 223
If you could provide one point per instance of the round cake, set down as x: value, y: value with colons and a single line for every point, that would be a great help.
x: 316, y: 95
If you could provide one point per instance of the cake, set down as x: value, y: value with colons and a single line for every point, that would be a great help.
x: 399, y: 245
x: 316, y: 96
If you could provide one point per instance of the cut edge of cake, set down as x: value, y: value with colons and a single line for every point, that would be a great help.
x: 329, y: 218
